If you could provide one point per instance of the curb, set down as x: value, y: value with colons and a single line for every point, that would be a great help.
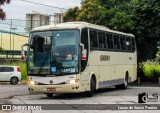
x: 25, y: 82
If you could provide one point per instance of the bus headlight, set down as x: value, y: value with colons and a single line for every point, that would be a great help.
x: 32, y: 82
x: 74, y: 81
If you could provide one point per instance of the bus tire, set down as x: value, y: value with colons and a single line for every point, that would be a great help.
x: 125, y: 85
x: 49, y: 95
x: 92, y: 88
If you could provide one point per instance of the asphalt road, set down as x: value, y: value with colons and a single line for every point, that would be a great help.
x: 7, y: 91
x: 107, y: 96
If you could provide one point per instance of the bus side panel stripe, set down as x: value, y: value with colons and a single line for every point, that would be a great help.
x: 111, y: 82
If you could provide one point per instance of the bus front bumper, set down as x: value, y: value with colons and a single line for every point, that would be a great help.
x: 55, y: 89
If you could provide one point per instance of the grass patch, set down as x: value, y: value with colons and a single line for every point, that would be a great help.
x: 151, y: 71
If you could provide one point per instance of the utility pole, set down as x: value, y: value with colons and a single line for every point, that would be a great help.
x: 13, y: 35
x: 10, y: 34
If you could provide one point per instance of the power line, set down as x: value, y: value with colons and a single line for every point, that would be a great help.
x: 20, y: 20
x: 44, y: 5
x: 13, y: 25
x: 4, y: 27
x: 4, y: 31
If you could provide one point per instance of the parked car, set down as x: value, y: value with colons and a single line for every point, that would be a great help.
x: 10, y: 74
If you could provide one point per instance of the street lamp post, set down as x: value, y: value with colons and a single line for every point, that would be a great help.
x: 13, y: 35
x: 13, y: 38
x: 10, y: 33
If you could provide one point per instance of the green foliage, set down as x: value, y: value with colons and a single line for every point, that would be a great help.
x: 1, y: 49
x: 151, y: 71
x: 23, y: 69
x: 140, y: 70
x: 139, y: 17
x: 71, y: 14
x: 2, y: 2
x: 2, y: 13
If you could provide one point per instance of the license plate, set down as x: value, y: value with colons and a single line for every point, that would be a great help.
x: 51, y: 89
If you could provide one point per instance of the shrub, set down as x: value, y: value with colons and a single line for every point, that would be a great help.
x: 151, y: 71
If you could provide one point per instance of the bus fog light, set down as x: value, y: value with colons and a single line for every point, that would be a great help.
x: 72, y: 81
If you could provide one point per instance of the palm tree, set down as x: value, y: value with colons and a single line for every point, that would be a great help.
x: 2, y: 13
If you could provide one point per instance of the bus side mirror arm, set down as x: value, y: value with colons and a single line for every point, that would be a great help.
x: 82, y: 46
x: 24, y: 45
x: 23, y: 52
x: 84, y: 52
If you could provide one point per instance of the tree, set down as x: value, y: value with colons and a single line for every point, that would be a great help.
x: 139, y: 17
x: 2, y: 13
x: 71, y: 14
x: 1, y: 50
x: 146, y: 27
x: 92, y: 12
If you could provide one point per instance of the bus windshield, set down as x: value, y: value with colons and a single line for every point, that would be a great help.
x: 53, y: 52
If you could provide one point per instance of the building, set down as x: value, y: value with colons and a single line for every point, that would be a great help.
x: 58, y: 17
x: 12, y: 41
x: 36, y: 19
x: 11, y: 45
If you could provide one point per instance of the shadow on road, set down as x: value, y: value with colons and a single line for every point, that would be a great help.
x: 82, y: 95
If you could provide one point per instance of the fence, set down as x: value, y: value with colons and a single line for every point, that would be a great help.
x: 7, y: 54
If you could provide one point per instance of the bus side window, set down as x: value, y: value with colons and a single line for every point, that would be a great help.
x: 116, y: 42
x: 39, y: 44
x: 133, y: 44
x: 123, y: 43
x: 93, y: 39
x: 47, y: 44
x: 128, y: 43
x: 84, y: 40
x: 102, y: 42
x: 109, y: 41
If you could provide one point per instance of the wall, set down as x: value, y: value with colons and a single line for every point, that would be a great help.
x: 18, y: 41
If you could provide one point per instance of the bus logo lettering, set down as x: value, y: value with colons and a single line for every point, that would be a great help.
x: 104, y: 58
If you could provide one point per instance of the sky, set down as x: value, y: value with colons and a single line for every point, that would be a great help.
x: 18, y: 9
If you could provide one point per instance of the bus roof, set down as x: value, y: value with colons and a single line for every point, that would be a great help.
x: 77, y: 25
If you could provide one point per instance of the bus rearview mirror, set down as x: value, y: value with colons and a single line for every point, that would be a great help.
x: 84, y: 52
x: 23, y: 52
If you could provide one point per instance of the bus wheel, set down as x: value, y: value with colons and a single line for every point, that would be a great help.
x: 125, y: 85
x: 50, y: 95
x: 92, y: 88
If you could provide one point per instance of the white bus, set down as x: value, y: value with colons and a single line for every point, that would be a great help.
x: 78, y: 57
